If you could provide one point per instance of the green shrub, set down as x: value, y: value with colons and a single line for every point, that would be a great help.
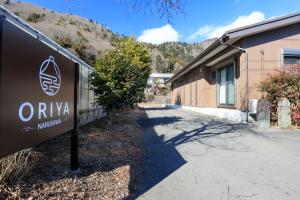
x: 164, y: 90
x: 17, y: 14
x: 61, y: 21
x: 79, y: 47
x: 121, y: 75
x: 149, y: 97
x: 283, y: 83
x: 81, y: 37
x: 85, y: 53
x: 35, y: 17
x: 64, y: 41
x: 87, y: 28
x: 104, y: 36
x: 72, y: 22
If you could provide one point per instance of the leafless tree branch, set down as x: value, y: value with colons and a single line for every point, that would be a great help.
x: 163, y: 8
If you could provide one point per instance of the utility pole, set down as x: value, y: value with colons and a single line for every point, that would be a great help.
x: 69, y: 6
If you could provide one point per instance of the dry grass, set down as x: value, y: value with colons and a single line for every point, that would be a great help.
x: 110, y: 153
x: 62, y: 25
x: 16, y: 166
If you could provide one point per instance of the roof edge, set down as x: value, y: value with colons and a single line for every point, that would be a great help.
x: 228, y: 37
x: 263, y: 22
x: 214, y: 45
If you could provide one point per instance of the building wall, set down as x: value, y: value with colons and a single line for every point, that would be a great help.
x: 207, y: 94
x: 264, y: 55
x: 264, y: 52
x: 199, y: 79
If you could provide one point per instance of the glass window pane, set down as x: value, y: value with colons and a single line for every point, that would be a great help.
x: 230, y: 84
x: 291, y: 60
x: 222, y: 95
x: 226, y: 85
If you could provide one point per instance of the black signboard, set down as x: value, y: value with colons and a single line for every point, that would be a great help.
x: 37, y: 91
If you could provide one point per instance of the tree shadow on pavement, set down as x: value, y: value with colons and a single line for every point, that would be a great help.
x: 211, y: 129
x: 150, y: 122
x: 160, y: 160
x: 160, y: 155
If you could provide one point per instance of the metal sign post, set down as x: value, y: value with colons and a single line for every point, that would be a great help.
x: 74, y: 150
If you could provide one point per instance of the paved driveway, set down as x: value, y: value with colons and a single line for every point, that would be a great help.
x: 192, y: 156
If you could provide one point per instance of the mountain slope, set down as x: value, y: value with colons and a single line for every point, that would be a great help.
x: 88, y: 39
x: 172, y: 56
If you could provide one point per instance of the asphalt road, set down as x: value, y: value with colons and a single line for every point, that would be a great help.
x: 192, y: 156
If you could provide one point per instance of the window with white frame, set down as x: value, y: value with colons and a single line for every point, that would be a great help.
x: 226, y: 84
x: 290, y: 57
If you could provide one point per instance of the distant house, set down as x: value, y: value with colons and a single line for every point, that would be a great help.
x: 223, y: 80
x: 158, y: 78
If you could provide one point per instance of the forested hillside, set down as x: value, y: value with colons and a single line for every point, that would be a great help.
x: 88, y: 38
x: 172, y: 56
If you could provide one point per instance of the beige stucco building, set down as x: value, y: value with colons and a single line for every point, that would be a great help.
x: 224, y: 79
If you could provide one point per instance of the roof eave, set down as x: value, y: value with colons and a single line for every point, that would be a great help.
x: 232, y: 36
x: 213, y: 46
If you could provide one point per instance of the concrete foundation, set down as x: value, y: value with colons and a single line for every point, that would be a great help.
x: 224, y: 113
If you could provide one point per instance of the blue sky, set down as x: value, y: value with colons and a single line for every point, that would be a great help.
x: 203, y: 19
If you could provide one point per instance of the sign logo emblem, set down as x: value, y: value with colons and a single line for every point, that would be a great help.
x: 50, y: 78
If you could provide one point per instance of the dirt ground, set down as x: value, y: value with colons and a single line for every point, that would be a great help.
x: 110, y: 153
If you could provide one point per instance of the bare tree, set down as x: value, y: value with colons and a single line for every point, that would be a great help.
x: 163, y: 8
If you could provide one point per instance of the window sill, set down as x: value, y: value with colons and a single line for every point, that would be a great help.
x: 227, y: 106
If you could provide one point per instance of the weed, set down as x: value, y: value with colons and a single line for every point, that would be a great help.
x: 64, y: 41
x: 82, y: 38
x: 61, y: 22
x: 72, y: 22
x: 16, y: 166
x: 87, y: 28
x: 35, y: 17
x: 17, y: 14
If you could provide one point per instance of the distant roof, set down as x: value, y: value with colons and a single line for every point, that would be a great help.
x: 161, y: 75
x: 232, y: 36
x: 12, y: 18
